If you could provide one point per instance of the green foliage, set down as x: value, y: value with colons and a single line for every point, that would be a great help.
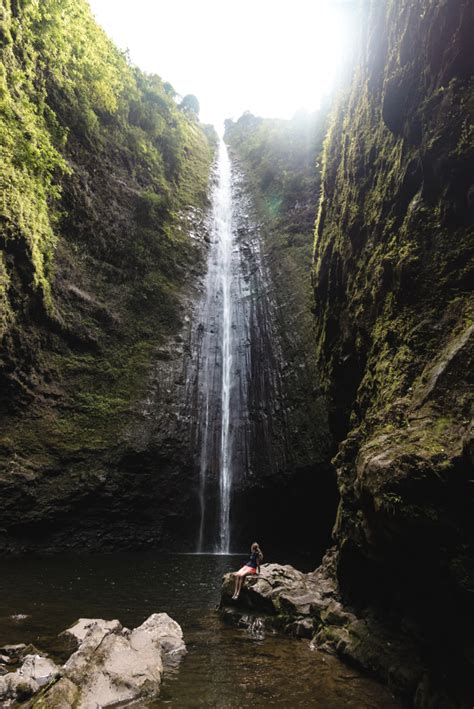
x: 97, y: 166
x: 59, y: 73
x: 190, y: 104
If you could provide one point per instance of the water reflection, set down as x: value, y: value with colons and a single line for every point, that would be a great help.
x: 225, y: 667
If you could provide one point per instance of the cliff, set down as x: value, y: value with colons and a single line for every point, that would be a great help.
x: 104, y: 186
x: 392, y: 277
x: 277, y: 183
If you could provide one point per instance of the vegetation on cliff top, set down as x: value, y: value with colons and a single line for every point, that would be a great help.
x: 60, y: 74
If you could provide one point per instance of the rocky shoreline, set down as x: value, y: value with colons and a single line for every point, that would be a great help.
x: 310, y: 605
x: 110, y: 665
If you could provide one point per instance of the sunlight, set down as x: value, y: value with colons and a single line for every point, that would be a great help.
x: 271, y: 57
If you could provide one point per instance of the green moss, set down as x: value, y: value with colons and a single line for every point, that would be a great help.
x: 97, y: 166
x: 280, y: 159
x: 375, y: 259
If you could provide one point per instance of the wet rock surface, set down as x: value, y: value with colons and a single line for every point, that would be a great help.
x: 393, y: 256
x: 140, y: 486
x: 111, y: 665
x: 309, y: 606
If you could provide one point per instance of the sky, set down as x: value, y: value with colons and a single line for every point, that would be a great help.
x: 271, y: 57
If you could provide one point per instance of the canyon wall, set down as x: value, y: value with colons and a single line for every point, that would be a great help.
x: 105, y: 233
x: 392, y: 279
x: 289, y: 486
x: 104, y: 183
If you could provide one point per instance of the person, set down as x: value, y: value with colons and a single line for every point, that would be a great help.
x: 251, y: 567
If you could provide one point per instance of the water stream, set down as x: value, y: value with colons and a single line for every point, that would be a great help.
x: 217, y: 366
x: 223, y: 225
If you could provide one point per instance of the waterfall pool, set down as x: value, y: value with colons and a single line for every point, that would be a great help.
x: 224, y: 667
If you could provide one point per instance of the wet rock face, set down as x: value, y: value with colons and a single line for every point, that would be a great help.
x: 98, y: 277
x: 393, y: 259
x: 107, y: 487
x: 274, y: 477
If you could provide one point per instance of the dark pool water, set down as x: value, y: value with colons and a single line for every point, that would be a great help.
x: 224, y: 667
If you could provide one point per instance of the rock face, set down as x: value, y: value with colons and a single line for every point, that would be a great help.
x: 269, y: 399
x: 111, y: 666
x: 102, y: 245
x: 392, y: 268
x: 104, y: 238
x: 285, y: 489
x: 35, y: 672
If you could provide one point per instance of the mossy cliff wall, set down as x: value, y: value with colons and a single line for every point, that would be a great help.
x: 392, y: 274
x: 277, y: 181
x: 103, y: 195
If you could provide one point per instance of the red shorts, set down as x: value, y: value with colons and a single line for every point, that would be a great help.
x: 246, y: 570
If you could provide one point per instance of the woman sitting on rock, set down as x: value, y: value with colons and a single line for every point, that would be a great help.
x: 251, y: 567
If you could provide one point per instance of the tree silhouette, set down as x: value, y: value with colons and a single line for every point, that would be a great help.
x: 190, y: 104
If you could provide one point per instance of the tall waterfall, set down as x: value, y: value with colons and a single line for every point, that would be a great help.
x: 237, y: 395
x: 217, y: 361
x: 223, y: 225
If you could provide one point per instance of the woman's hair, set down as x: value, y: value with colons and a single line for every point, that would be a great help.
x: 256, y: 548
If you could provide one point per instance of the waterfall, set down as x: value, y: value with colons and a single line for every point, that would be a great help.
x: 237, y: 367
x: 223, y: 225
x: 216, y: 361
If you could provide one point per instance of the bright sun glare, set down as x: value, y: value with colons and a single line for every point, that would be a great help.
x: 272, y: 57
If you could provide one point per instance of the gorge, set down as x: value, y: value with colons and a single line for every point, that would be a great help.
x: 267, y: 335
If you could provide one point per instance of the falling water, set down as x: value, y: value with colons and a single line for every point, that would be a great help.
x: 236, y: 372
x: 223, y: 224
x: 216, y: 359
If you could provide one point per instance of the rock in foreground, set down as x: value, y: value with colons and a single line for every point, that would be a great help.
x: 309, y: 606
x: 111, y: 665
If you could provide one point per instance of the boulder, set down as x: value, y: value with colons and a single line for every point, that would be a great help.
x: 35, y: 672
x: 261, y: 593
x: 14, y: 653
x: 162, y: 631
x: 15, y: 688
x: 110, y: 666
x: 93, y: 627
x: 115, y: 665
x: 288, y: 595
x: 303, y: 628
x: 38, y: 669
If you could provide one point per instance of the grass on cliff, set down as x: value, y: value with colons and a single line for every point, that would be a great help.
x: 98, y: 165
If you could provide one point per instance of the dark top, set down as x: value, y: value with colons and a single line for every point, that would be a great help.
x: 253, y: 562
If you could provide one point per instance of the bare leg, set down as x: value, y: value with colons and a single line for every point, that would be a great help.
x: 240, y: 582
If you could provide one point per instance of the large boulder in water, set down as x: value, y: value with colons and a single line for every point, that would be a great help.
x: 309, y: 606
x: 110, y: 666
x: 285, y: 594
x: 115, y: 665
x: 261, y: 593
